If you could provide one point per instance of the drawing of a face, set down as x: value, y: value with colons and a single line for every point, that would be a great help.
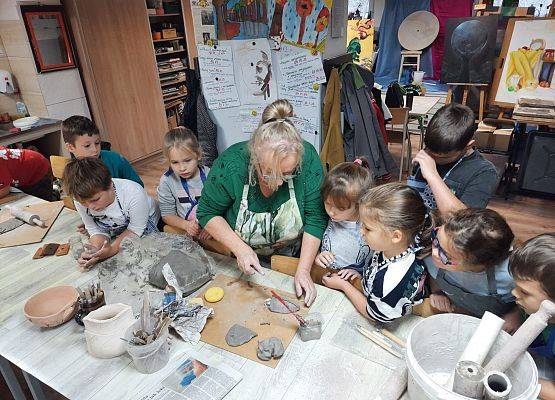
x: 304, y: 8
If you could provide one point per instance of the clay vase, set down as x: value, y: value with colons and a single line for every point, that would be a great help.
x: 104, y: 329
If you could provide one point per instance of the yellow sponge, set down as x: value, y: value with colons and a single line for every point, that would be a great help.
x: 214, y: 294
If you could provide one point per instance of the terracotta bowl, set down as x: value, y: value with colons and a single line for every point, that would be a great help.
x: 52, y: 306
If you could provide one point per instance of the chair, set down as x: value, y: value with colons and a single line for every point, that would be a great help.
x: 399, y: 125
x: 210, y: 244
x: 288, y: 266
x: 409, y: 58
x: 58, y: 164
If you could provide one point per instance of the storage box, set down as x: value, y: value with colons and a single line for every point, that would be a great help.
x: 169, y: 33
x: 496, y: 140
x: 172, y: 121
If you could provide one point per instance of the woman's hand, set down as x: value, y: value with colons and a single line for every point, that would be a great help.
x: 441, y: 302
x: 348, y: 274
x: 334, y: 281
x: 324, y: 259
x: 204, y: 235
x: 191, y: 227
x: 92, y: 255
x: 303, y: 282
x: 247, y: 260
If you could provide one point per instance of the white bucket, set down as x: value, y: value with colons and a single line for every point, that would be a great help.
x: 418, y: 76
x: 434, y: 347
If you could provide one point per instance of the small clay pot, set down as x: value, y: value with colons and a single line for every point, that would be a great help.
x: 156, y: 35
x: 52, y: 306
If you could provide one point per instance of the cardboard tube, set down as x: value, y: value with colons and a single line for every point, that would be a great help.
x: 25, y: 216
x: 468, y: 380
x: 395, y: 385
x: 522, y: 338
x: 483, y: 338
x: 497, y: 386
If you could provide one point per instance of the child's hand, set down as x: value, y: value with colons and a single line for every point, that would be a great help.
x: 92, y: 255
x: 441, y: 302
x: 334, y: 281
x: 427, y: 164
x: 192, y: 228
x: 512, y: 321
x: 204, y: 235
x: 81, y: 229
x: 348, y: 274
x: 324, y: 259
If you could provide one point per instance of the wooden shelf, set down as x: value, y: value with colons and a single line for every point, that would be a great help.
x: 175, y: 97
x: 163, y: 15
x: 169, y: 83
x: 170, y: 52
x: 173, y: 70
x: 168, y: 40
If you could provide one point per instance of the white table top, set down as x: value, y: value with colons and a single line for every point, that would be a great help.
x: 321, y: 369
x: 421, y: 105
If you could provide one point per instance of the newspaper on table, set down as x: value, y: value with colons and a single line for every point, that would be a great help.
x: 196, y: 379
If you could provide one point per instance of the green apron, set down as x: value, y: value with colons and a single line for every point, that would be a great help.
x: 270, y: 232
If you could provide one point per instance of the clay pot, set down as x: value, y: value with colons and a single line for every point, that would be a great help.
x: 52, y: 306
x: 104, y: 329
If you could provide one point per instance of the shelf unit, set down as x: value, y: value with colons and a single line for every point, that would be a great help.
x: 175, y: 53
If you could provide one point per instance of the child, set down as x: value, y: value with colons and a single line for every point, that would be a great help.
x: 111, y: 209
x: 533, y: 268
x: 181, y: 185
x: 393, y: 220
x: 469, y: 265
x: 26, y: 170
x: 451, y: 174
x: 83, y: 140
x: 343, y: 247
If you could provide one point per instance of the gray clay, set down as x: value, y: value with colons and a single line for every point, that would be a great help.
x: 238, y: 335
x: 311, y: 331
x: 10, y: 225
x: 274, y: 305
x: 269, y: 348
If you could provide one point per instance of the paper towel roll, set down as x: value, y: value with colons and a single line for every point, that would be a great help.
x: 481, y: 342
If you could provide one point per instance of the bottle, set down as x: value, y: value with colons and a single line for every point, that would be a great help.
x: 22, y: 109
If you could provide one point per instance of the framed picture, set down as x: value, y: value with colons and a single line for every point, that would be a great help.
x: 46, y: 29
x: 527, y: 62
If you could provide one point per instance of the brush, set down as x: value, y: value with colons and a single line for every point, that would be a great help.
x: 299, y: 318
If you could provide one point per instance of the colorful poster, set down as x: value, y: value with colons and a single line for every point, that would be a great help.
x: 203, y: 20
x: 360, y: 41
x: 241, y: 19
x: 217, y: 76
x: 303, y: 23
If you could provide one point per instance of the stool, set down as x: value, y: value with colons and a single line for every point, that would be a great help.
x: 408, y: 58
x: 482, y: 87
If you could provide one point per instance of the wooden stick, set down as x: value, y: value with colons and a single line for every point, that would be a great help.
x: 379, y: 342
x: 393, y: 337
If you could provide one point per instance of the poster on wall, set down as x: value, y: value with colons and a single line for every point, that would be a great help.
x: 469, y: 49
x: 302, y: 23
x: 240, y: 19
x: 528, y: 69
x: 254, y: 71
x: 360, y: 41
x: 203, y: 20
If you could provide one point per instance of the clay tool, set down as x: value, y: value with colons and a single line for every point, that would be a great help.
x: 25, y: 216
x: 497, y: 386
x: 299, y: 318
x: 388, y: 346
x: 523, y: 337
x: 468, y: 379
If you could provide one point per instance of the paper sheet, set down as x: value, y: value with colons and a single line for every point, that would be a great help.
x: 301, y: 69
x: 248, y: 118
x: 203, y: 20
x: 218, y: 79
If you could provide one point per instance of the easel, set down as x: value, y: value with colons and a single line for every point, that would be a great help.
x: 481, y: 87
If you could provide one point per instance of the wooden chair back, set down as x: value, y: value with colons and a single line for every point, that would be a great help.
x: 58, y: 164
x: 398, y: 123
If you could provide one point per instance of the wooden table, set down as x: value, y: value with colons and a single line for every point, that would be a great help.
x: 313, y: 370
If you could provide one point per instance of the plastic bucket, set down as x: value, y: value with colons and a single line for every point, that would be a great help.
x: 418, y: 76
x: 434, y: 347
x: 150, y: 357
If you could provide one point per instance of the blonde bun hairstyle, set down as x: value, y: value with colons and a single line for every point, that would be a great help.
x: 275, y: 139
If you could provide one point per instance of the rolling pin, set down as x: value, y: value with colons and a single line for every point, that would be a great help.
x: 26, y: 216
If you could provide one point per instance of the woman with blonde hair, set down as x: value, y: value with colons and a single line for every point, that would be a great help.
x: 262, y: 197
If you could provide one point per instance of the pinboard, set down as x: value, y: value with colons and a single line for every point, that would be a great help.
x: 243, y: 304
x: 27, y: 234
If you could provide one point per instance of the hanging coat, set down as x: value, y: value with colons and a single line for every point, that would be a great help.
x: 332, y: 152
x: 362, y: 135
x: 207, y: 132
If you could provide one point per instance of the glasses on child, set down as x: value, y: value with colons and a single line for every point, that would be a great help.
x: 442, y: 255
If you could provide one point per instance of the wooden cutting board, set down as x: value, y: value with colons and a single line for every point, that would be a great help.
x: 26, y: 234
x: 243, y: 304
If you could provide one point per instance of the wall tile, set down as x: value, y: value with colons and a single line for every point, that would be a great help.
x: 68, y: 108
x: 8, y: 10
x: 14, y: 38
x: 61, y: 86
x: 5, y: 64
x: 35, y: 104
x: 25, y: 74
x: 7, y: 104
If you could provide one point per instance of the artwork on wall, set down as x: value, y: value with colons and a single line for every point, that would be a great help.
x: 529, y: 62
x: 360, y: 41
x: 469, y: 49
x: 241, y: 19
x: 255, y: 71
x: 203, y: 19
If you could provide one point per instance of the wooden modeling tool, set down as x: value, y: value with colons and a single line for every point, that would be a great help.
x: 381, y: 341
x: 299, y: 318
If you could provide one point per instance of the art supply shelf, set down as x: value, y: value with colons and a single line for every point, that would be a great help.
x: 168, y: 39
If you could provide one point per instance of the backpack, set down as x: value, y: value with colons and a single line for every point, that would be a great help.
x: 394, y: 96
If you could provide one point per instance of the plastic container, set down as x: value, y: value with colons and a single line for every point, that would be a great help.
x: 313, y: 328
x: 418, y: 76
x: 435, y: 345
x: 151, y: 357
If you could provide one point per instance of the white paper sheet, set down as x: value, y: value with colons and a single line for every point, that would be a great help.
x: 248, y: 118
x: 217, y: 76
x: 301, y: 69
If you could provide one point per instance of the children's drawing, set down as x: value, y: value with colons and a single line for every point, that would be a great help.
x: 203, y: 19
x: 255, y: 70
x: 241, y: 19
x: 303, y: 23
x: 360, y: 39
x: 528, y: 70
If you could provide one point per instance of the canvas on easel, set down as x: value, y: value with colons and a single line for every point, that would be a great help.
x: 527, y: 62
